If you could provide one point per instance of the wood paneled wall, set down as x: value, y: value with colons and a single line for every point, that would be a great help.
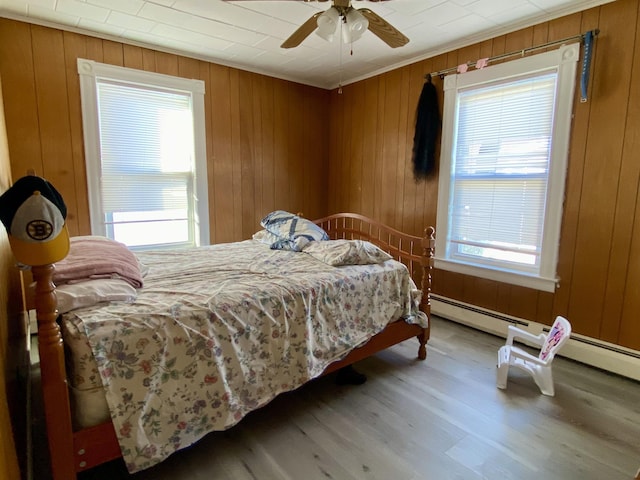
x: 10, y: 302
x: 370, y: 169
x: 266, y: 138
x: 276, y: 144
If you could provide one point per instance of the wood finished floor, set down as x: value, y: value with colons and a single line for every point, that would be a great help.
x: 439, y: 419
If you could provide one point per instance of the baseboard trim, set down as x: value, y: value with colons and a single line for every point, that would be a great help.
x: 603, y: 355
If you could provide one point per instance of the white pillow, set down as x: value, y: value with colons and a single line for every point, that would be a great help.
x: 91, y: 292
x: 346, y: 252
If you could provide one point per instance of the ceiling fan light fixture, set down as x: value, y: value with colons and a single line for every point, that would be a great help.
x: 353, y: 23
x: 327, y: 24
x: 356, y: 25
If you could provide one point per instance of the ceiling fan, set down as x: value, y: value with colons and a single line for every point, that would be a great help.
x: 353, y: 23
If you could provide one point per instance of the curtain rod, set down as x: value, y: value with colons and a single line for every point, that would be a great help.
x: 442, y: 73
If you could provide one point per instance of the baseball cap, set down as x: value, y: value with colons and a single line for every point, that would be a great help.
x: 34, y: 214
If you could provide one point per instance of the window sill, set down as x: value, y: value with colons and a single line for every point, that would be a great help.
x: 505, y: 276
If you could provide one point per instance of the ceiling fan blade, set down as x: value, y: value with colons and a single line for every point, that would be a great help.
x: 302, y: 32
x: 383, y: 29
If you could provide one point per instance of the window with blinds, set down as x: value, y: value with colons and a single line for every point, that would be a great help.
x: 143, y: 164
x: 505, y: 146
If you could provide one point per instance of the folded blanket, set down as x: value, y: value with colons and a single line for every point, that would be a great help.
x: 98, y: 257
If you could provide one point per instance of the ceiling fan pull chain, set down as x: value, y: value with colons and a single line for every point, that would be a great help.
x: 340, y: 69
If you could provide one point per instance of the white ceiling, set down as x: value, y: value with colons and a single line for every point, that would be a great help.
x: 248, y: 34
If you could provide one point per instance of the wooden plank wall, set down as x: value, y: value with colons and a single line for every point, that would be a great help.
x: 370, y: 172
x: 266, y: 138
x: 267, y: 148
x: 10, y: 301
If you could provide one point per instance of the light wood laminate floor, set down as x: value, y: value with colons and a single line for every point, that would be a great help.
x: 439, y: 419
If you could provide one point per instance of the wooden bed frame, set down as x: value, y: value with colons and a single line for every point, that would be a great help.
x: 74, y: 451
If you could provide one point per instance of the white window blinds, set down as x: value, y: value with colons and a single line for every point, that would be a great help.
x: 500, y: 173
x: 146, y: 156
x: 146, y: 141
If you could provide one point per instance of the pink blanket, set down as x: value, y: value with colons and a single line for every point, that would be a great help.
x: 98, y: 257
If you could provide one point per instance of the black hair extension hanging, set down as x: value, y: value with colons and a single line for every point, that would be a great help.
x: 426, y: 134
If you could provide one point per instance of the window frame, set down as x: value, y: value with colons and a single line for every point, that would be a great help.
x: 90, y: 72
x: 564, y: 61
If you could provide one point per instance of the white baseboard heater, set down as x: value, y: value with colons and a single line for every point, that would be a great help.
x: 597, y: 353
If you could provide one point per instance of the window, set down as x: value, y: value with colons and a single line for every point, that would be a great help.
x: 145, y: 154
x: 504, y: 156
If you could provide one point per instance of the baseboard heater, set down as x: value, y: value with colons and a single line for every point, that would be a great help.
x: 597, y: 353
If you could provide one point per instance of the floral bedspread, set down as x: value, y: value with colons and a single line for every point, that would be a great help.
x: 221, y: 330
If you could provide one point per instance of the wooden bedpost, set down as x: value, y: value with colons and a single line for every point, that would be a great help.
x: 428, y: 247
x: 53, y: 376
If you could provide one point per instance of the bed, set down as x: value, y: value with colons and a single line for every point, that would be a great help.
x: 251, y: 328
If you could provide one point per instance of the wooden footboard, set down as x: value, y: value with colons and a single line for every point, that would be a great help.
x: 72, y: 452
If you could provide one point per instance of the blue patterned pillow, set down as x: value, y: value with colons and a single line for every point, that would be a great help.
x: 293, y: 232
